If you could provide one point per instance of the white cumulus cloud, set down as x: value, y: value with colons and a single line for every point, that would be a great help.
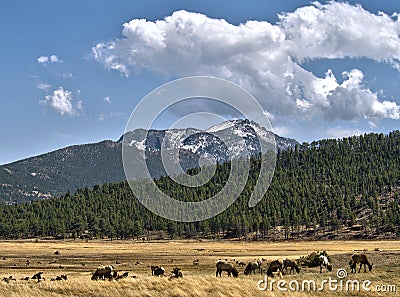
x: 48, y: 59
x: 267, y: 58
x: 43, y: 59
x: 338, y: 30
x: 62, y: 101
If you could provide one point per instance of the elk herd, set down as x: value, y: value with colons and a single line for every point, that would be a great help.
x: 285, y: 266
x: 257, y: 266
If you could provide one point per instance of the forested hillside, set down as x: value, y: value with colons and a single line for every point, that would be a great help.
x: 348, y: 187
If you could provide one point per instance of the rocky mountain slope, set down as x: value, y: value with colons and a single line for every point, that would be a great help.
x: 79, y: 166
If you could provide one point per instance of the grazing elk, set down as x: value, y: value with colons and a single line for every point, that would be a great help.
x: 60, y: 277
x: 125, y: 275
x: 103, y: 272
x: 8, y: 279
x: 157, y: 270
x: 37, y: 276
x: 287, y: 263
x: 251, y: 267
x: 176, y: 273
x: 363, y: 260
x: 228, y: 267
x: 276, y: 266
x: 324, y: 262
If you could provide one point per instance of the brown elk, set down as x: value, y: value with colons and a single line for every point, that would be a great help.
x: 363, y: 260
x: 176, y: 273
x: 228, y: 267
x: 157, y: 270
x: 276, y: 266
x: 103, y: 272
x: 251, y: 267
x: 287, y: 263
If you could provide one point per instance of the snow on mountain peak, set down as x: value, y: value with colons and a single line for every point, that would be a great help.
x: 220, y: 127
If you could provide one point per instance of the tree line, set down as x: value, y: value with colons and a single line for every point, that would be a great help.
x: 318, y: 188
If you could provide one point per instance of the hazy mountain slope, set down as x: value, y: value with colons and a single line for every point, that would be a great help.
x: 56, y: 172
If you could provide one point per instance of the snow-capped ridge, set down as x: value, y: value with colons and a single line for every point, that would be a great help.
x: 224, y: 141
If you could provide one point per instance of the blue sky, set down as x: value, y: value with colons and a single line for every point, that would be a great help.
x: 72, y: 72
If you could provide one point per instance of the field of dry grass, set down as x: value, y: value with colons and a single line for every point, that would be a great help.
x: 79, y: 260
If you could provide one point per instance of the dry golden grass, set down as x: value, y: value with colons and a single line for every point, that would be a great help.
x: 79, y: 259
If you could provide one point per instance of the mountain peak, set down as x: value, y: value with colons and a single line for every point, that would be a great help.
x: 210, y: 141
x: 85, y: 165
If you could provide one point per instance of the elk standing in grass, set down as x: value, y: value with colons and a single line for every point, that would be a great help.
x: 276, y: 266
x: 324, y: 262
x: 176, y: 273
x: 287, y: 263
x: 228, y: 267
x: 157, y: 270
x: 251, y: 267
x: 363, y: 260
x: 103, y: 272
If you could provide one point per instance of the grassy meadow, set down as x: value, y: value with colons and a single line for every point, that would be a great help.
x: 80, y: 259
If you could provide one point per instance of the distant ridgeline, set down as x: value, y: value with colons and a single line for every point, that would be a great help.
x: 79, y: 166
x: 329, y: 188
